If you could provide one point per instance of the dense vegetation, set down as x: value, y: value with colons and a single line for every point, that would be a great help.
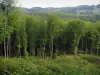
x: 62, y: 65
x: 24, y: 34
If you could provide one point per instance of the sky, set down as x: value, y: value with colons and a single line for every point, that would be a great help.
x: 55, y: 3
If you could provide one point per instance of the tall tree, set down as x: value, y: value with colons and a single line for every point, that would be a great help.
x: 7, y: 7
x: 75, y: 31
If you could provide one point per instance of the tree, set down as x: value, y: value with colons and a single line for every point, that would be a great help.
x: 32, y: 26
x: 74, y: 32
x: 42, y: 36
x: 95, y: 37
x: 54, y: 27
x: 6, y: 8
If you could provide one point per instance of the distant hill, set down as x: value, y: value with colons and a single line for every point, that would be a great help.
x: 86, y: 12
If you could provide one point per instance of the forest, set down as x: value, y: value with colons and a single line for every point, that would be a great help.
x: 48, y: 44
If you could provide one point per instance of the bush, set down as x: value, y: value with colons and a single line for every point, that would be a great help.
x: 62, y: 65
x: 3, y: 67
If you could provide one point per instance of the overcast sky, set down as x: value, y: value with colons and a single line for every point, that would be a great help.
x: 56, y: 3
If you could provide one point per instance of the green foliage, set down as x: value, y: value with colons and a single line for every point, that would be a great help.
x: 63, y: 65
x: 91, y: 58
x: 55, y: 26
x: 75, y: 30
x: 3, y: 67
x: 4, y: 29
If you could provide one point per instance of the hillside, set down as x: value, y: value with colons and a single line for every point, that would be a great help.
x: 85, y: 12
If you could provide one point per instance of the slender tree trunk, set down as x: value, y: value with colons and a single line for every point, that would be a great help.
x: 86, y: 51
x: 9, y: 47
x: 58, y: 44
x: 29, y: 52
x: 44, y: 52
x: 5, y: 52
x: 75, y: 50
x: 56, y: 48
x: 5, y: 48
x: 33, y: 52
x: 19, y: 50
x: 51, y: 49
x: 40, y: 53
x: 24, y: 52
x: 64, y: 47
x: 86, y: 47
x: 97, y: 52
x: 82, y: 45
x: 91, y: 51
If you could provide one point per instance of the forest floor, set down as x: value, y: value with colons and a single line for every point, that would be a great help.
x: 62, y: 65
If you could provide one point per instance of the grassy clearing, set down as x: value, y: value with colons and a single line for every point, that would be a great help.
x: 62, y: 65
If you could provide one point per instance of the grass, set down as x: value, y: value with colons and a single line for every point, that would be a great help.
x: 62, y: 65
x: 91, y: 58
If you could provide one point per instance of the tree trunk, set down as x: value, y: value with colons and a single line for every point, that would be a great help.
x: 40, y: 53
x: 75, y: 51
x: 5, y: 52
x: 97, y: 52
x: 24, y: 52
x: 64, y: 47
x: 9, y: 47
x: 44, y: 51
x: 5, y: 48
x: 82, y: 45
x: 86, y: 49
x: 51, y: 49
x: 19, y: 52
x: 33, y: 52
x: 91, y: 51
x: 57, y: 48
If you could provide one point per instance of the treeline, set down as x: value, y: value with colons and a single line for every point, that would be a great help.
x: 84, y: 12
x: 33, y: 35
